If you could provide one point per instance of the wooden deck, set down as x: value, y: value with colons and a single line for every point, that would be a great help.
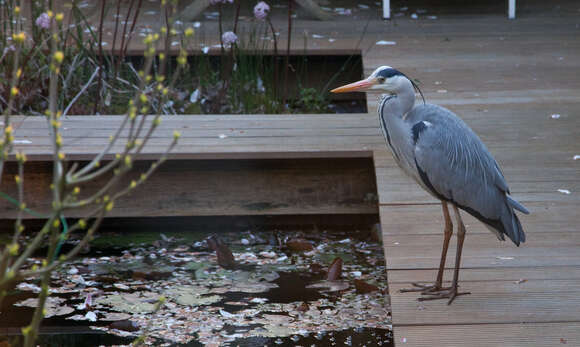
x: 505, y: 79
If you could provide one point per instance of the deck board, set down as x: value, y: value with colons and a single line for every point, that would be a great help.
x: 489, y: 335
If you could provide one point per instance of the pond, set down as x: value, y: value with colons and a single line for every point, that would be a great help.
x: 309, y: 288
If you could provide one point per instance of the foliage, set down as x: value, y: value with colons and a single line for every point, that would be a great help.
x: 43, y: 74
x: 310, y: 99
x: 245, y: 78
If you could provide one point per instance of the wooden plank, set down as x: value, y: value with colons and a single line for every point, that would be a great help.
x: 403, y: 190
x: 545, y: 217
x: 206, y: 120
x: 33, y: 134
x: 489, y: 335
x: 492, y: 302
x: 483, y: 250
x: 513, y: 274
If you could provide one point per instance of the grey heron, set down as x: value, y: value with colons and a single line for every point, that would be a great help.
x: 447, y: 159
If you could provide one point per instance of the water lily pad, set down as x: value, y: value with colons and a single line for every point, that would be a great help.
x: 192, y: 295
x: 130, y: 302
x: 53, y: 306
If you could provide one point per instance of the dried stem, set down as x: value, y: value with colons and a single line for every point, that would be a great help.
x: 97, y: 107
x: 287, y: 61
x: 117, y: 17
x: 275, y: 84
x: 124, y: 36
x: 237, y: 16
x: 135, y: 18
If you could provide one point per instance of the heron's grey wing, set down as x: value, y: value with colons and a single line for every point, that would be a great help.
x: 454, y: 165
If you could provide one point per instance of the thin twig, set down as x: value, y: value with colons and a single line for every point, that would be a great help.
x: 117, y: 16
x: 287, y: 61
x: 82, y: 91
x: 124, y: 36
x: 97, y: 107
x: 135, y: 18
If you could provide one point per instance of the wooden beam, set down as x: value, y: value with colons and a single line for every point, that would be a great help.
x: 222, y: 187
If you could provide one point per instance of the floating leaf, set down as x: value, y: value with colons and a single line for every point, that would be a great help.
x: 303, y: 307
x: 125, y: 325
x: 299, y: 245
x: 363, y: 287
x: 130, y: 302
x: 335, y: 270
x: 225, y: 257
x: 52, y: 307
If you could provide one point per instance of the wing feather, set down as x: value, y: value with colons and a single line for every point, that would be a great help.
x: 454, y: 165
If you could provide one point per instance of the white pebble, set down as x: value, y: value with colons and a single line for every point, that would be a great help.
x: 414, y: 16
x: 564, y: 191
x: 245, y: 242
x: 555, y: 116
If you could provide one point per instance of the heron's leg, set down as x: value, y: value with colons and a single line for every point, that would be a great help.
x: 452, y: 292
x: 448, y: 231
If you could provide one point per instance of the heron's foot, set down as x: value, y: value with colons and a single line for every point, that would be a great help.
x: 423, y: 288
x: 446, y: 293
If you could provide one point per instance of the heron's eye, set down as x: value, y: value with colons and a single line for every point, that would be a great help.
x: 381, y: 79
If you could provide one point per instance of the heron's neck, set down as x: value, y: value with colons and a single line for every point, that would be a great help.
x: 404, y: 101
x: 392, y: 111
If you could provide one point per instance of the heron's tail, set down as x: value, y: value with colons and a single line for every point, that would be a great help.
x: 511, y: 223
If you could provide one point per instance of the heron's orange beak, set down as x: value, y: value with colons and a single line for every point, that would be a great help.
x: 359, y: 86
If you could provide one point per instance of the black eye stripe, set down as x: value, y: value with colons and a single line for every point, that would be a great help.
x: 387, y: 73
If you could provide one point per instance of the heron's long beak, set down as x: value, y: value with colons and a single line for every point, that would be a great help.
x: 360, y: 86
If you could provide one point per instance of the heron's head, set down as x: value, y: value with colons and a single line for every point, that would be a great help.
x: 384, y: 78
